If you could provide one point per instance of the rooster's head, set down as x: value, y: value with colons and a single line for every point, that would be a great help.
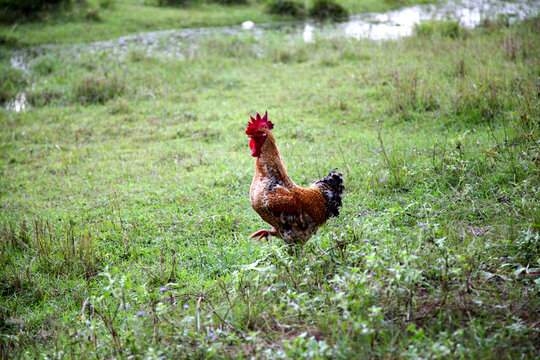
x: 257, y: 129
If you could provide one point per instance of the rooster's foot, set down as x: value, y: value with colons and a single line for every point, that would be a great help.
x: 263, y: 234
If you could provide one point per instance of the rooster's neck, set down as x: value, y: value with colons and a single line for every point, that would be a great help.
x: 269, y: 163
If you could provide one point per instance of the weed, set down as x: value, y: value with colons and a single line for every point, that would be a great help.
x: 54, y: 254
x: 524, y: 249
x: 106, y: 4
x: 230, y: 2
x: 442, y: 28
x: 28, y: 9
x: 12, y: 81
x: 44, y: 97
x: 327, y: 10
x: 173, y: 2
x: 412, y: 94
x: 285, y: 7
x: 45, y: 65
x: 93, y: 14
x: 99, y: 89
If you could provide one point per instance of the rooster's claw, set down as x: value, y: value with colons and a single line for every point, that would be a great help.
x: 261, y: 234
x: 264, y: 234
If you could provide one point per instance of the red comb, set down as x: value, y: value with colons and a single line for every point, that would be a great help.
x: 258, y: 122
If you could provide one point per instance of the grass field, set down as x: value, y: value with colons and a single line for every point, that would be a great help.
x: 125, y: 200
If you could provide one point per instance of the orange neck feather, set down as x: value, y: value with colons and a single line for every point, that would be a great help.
x: 269, y: 163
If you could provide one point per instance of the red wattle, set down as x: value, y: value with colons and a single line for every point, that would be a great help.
x: 254, y: 148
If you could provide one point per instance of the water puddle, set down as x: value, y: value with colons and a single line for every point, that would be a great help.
x: 377, y: 26
x: 469, y: 13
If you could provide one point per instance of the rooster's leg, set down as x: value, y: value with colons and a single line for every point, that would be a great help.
x: 263, y: 234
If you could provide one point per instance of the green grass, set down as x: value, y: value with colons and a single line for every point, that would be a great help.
x: 92, y: 22
x: 125, y: 214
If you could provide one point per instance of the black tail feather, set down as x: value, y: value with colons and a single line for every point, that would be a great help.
x: 332, y: 187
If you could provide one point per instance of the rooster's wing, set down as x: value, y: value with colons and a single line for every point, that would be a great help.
x: 294, y: 213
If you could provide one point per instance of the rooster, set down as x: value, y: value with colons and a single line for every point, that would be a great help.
x: 295, y: 213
